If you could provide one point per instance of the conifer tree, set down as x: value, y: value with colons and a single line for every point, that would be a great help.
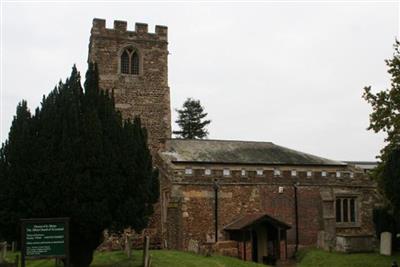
x: 191, y: 120
x: 76, y: 157
x: 386, y: 118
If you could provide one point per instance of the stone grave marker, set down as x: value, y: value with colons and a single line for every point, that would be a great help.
x: 3, y: 251
x: 386, y: 244
x: 193, y: 246
x: 146, y: 258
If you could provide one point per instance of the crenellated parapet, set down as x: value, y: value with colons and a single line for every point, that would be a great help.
x: 120, y: 30
x: 133, y: 63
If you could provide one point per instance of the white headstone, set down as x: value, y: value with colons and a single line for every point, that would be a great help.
x: 386, y: 243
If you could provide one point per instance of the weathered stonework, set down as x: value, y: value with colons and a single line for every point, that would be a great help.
x: 145, y: 95
x: 184, y: 218
x: 272, y: 194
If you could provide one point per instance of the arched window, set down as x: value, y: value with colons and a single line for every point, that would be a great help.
x: 125, y: 62
x: 130, y: 61
x: 135, y: 63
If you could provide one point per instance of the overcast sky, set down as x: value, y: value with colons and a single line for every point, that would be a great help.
x: 290, y: 73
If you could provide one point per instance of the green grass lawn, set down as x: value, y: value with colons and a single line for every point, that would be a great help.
x: 160, y: 258
x: 319, y: 258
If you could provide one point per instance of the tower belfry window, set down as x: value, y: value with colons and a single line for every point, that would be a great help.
x: 135, y: 63
x: 130, y: 61
x: 125, y: 62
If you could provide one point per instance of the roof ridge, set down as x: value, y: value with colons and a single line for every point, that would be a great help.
x: 221, y: 140
x: 246, y: 152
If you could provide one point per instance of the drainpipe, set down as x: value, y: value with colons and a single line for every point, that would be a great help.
x: 296, y: 214
x: 216, y: 188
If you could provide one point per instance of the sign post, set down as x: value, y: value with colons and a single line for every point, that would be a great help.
x: 45, y: 238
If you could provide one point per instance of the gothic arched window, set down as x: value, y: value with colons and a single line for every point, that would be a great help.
x: 135, y: 63
x: 130, y: 61
x: 125, y: 62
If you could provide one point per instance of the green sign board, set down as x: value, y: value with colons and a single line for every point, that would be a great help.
x: 45, y: 239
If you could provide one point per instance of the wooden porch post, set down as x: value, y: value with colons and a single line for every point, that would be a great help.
x: 278, y: 253
x: 244, y: 245
x: 286, y: 256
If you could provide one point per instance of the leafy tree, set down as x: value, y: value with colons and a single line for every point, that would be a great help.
x: 191, y: 120
x: 76, y: 157
x: 385, y: 117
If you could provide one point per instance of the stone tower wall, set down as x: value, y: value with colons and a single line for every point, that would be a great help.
x: 145, y: 95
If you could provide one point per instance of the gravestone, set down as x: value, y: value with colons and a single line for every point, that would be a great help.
x: 128, y: 249
x: 11, y: 264
x: 146, y: 246
x: 193, y: 246
x: 3, y: 251
x: 386, y: 243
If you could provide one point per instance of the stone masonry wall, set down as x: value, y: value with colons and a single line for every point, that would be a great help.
x: 145, y: 95
x: 266, y: 193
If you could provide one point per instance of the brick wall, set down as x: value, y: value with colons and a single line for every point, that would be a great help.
x: 266, y: 193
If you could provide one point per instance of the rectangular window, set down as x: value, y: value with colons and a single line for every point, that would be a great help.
x: 277, y: 172
x: 259, y: 172
x: 346, y: 209
x: 226, y: 172
x: 294, y: 173
x: 188, y: 171
x: 243, y: 173
x: 323, y: 173
x: 309, y: 173
x: 207, y: 172
x: 338, y: 174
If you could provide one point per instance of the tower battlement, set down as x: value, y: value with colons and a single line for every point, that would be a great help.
x: 121, y: 29
x: 134, y: 65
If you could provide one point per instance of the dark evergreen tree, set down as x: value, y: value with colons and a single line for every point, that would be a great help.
x: 191, y: 120
x: 386, y: 118
x: 76, y: 157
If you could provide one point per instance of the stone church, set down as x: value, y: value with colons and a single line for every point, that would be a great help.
x: 254, y: 200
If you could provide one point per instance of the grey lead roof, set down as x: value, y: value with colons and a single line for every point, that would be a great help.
x: 239, y: 152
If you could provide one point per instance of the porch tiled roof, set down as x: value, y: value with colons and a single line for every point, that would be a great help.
x: 248, y: 220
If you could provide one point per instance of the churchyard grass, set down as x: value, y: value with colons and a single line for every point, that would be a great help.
x: 320, y: 258
x: 159, y: 258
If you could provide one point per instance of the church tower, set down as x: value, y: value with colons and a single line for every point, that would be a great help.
x: 134, y: 64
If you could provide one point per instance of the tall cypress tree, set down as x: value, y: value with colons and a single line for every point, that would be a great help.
x: 76, y: 157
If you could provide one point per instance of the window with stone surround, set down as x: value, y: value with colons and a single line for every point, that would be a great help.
x: 346, y: 210
x: 277, y: 172
x: 135, y: 63
x: 226, y: 172
x: 207, y: 171
x: 188, y: 171
x: 259, y: 172
x: 125, y: 62
x: 129, y: 61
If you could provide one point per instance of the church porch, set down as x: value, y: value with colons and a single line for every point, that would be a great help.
x: 261, y: 238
